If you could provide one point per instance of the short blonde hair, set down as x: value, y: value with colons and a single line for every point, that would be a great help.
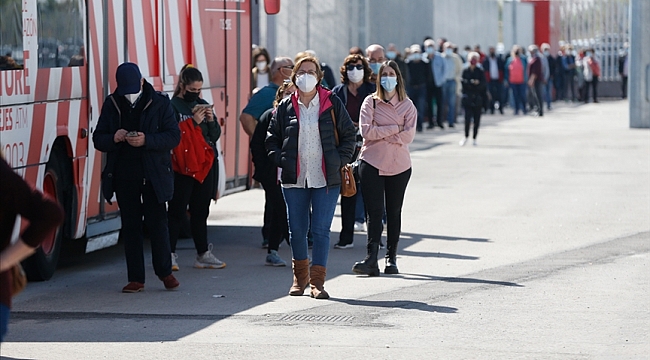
x: 311, y: 59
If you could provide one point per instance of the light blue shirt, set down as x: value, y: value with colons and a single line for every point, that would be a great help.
x: 438, y: 65
x: 450, y: 67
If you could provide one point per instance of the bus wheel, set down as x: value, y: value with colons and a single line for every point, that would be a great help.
x: 41, y: 265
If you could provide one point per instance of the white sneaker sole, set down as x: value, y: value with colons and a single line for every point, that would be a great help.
x: 209, y: 266
x: 276, y: 265
x: 348, y: 246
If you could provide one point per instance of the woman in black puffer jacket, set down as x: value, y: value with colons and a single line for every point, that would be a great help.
x: 302, y: 141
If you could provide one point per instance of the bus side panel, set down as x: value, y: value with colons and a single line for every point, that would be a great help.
x: 238, y: 52
x: 209, y: 56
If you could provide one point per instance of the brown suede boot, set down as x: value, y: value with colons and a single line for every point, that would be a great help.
x: 317, y: 280
x: 300, y: 277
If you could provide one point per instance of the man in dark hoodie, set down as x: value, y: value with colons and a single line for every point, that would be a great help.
x: 137, y: 130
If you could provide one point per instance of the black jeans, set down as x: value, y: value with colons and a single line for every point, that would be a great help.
x: 378, y: 189
x: 569, y: 82
x: 277, y: 210
x: 472, y: 112
x: 188, y: 191
x: 440, y: 108
x: 348, y: 212
x: 593, y: 83
x: 137, y: 199
x: 495, y: 87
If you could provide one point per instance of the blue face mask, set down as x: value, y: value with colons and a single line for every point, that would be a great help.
x: 389, y: 83
x: 375, y: 67
x: 391, y: 55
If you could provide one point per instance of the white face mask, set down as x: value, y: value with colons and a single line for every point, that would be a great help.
x: 133, y: 97
x: 355, y: 75
x: 306, y: 83
x: 261, y: 65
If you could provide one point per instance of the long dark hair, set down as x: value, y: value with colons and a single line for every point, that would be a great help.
x: 188, y: 75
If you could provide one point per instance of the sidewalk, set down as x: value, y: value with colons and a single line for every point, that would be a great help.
x: 533, y: 244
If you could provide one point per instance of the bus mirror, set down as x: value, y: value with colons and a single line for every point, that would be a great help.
x: 272, y: 7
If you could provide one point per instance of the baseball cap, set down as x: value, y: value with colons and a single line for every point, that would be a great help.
x: 128, y: 79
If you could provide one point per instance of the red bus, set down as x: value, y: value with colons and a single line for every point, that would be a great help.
x: 57, y: 64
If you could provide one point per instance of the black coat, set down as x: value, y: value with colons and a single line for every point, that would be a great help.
x: 282, y: 137
x: 364, y: 90
x: 474, y: 93
x: 158, y: 123
x: 265, y: 170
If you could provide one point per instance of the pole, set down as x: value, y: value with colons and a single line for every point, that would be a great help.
x: 639, y: 64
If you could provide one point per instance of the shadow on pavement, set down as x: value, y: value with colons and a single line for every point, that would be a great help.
x: 424, y: 277
x: 85, y: 292
x: 401, y: 304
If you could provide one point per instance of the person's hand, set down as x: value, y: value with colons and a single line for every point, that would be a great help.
x: 136, y: 141
x: 208, y: 115
x: 120, y: 135
x: 199, y: 115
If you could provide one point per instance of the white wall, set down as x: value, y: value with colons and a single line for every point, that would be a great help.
x: 331, y: 27
x: 467, y: 22
x: 523, y: 22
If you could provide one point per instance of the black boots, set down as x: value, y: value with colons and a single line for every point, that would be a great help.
x: 369, y: 265
x: 391, y: 260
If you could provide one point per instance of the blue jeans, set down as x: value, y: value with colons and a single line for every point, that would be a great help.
x: 4, y: 321
x: 449, y: 99
x: 322, y: 201
x: 418, y: 95
x: 519, y: 94
x: 548, y: 93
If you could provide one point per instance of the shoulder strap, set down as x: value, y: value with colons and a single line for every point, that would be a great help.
x: 119, y: 113
x: 336, y: 133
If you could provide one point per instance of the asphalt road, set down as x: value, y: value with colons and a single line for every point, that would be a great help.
x: 533, y: 245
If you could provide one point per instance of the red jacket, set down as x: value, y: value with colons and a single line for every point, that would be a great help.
x: 193, y: 156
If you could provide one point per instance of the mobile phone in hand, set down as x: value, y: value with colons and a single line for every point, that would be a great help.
x: 132, y: 133
x: 202, y: 107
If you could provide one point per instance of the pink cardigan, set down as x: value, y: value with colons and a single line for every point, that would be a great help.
x: 384, y: 146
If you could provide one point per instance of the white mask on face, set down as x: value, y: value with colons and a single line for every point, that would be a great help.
x: 355, y: 75
x: 261, y: 65
x: 133, y: 97
x: 306, y: 83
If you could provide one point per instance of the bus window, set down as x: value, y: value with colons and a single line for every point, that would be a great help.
x: 11, y: 35
x: 60, y: 33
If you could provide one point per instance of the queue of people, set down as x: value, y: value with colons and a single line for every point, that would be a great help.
x: 302, y: 134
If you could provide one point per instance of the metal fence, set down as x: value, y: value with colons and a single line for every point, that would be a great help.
x: 599, y: 24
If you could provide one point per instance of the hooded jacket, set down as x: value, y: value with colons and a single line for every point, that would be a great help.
x: 158, y: 123
x: 282, y: 137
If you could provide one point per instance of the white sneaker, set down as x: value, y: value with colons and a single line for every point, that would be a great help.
x: 174, y: 262
x: 462, y: 142
x: 474, y: 143
x: 359, y: 227
x: 208, y: 261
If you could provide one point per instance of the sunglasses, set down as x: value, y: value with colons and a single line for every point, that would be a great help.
x: 352, y: 67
